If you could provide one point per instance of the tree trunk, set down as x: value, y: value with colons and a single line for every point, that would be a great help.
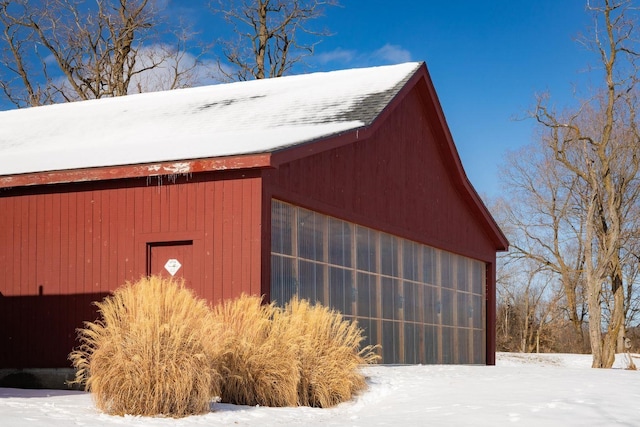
x: 616, y: 323
x: 620, y: 348
x: 595, y: 332
x: 574, y: 318
x: 594, y: 283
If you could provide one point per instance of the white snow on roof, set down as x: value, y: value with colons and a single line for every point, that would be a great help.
x: 203, y: 122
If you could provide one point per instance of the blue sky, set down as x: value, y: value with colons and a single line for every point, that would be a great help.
x: 487, y: 59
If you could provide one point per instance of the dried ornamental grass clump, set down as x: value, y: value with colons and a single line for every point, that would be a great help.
x: 258, y: 365
x: 329, y: 354
x: 145, y: 355
x: 159, y: 350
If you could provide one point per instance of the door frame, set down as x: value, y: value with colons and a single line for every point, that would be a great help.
x: 144, y: 242
x: 151, y: 245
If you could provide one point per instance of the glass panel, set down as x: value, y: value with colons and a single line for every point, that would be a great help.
x: 389, y: 254
x: 446, y: 270
x: 410, y: 264
x: 390, y: 342
x: 448, y: 349
x: 366, y: 254
x: 311, y: 229
x: 463, y: 346
x: 477, y: 277
x: 341, y: 291
x: 283, y: 279
x: 281, y: 228
x: 392, y: 300
x: 411, y: 300
x: 398, y: 309
x: 431, y: 344
x: 370, y: 331
x: 479, y: 356
x: 476, y: 311
x: 339, y: 242
x: 446, y: 306
x: 462, y: 275
x: 428, y: 265
x: 410, y: 343
x: 388, y: 298
x: 464, y: 310
x: 311, y: 281
x: 367, y: 295
x: 431, y: 307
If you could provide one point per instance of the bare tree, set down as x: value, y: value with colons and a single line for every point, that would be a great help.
x: 527, y: 306
x: 598, y: 144
x: 546, y: 225
x: 271, y: 36
x: 66, y: 50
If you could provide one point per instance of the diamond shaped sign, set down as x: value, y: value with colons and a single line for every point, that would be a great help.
x: 172, y: 266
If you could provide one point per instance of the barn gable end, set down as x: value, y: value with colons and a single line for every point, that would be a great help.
x: 396, y: 179
x: 401, y: 177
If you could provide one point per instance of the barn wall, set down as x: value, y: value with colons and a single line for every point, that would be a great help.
x: 400, y: 180
x: 62, y: 247
x: 397, y: 181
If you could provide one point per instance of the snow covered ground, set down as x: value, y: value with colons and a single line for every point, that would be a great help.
x: 522, y: 390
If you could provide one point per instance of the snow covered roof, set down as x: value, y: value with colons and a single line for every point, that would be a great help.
x: 205, y: 122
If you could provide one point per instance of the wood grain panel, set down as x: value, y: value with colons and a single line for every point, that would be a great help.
x: 83, y: 240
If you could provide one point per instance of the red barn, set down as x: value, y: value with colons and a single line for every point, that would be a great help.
x: 343, y: 187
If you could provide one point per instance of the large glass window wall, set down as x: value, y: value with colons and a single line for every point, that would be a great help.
x: 423, y: 305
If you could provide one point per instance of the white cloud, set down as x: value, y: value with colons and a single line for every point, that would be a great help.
x: 392, y: 53
x: 336, y: 55
x: 387, y: 54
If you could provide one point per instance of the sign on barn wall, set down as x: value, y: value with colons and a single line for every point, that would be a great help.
x: 172, y: 266
x: 171, y: 259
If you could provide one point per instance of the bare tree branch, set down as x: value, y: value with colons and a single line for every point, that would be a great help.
x: 598, y: 144
x: 67, y: 50
x: 271, y: 36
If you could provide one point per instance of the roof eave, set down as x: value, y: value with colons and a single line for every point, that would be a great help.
x: 179, y: 167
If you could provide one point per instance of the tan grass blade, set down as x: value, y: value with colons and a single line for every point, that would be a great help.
x: 145, y: 355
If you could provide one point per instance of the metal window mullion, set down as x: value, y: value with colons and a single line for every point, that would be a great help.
x: 325, y: 262
x: 355, y: 285
x: 294, y: 247
x: 401, y: 301
x: 419, y: 305
x: 378, y: 270
x: 438, y: 280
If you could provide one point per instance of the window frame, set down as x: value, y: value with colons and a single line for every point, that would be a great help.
x: 447, y: 281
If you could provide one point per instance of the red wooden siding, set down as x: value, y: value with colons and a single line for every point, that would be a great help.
x: 62, y: 247
x: 399, y: 178
x: 397, y: 181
